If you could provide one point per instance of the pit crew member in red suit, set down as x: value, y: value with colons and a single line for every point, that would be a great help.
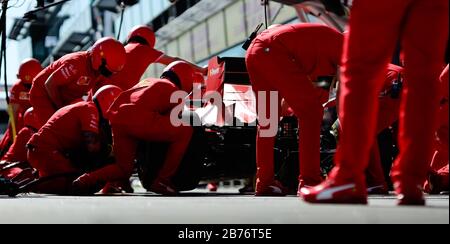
x: 71, y: 129
x: 289, y: 59
x: 74, y: 75
x: 20, y: 98
x: 421, y: 26
x: 143, y: 114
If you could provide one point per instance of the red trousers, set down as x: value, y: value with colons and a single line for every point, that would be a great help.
x: 49, y: 162
x: 422, y: 27
x: 148, y: 126
x: 272, y: 69
x: 387, y: 114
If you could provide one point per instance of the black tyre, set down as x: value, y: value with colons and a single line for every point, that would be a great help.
x: 151, y: 155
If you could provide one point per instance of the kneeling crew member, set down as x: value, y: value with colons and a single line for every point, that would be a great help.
x: 74, y: 128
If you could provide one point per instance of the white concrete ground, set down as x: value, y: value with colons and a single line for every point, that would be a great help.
x: 201, y: 207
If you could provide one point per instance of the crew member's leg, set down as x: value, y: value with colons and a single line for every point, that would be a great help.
x: 425, y: 39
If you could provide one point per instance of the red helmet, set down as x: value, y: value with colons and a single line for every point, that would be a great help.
x: 181, y: 74
x: 29, y: 69
x: 144, y: 33
x: 108, y: 56
x: 30, y: 120
x: 105, y: 96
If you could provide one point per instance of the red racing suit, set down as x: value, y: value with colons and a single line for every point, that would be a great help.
x: 422, y: 28
x: 19, y: 95
x: 388, y: 113
x: 18, y: 151
x: 139, y: 58
x: 288, y: 59
x: 74, y: 78
x: 143, y: 114
x: 48, y: 149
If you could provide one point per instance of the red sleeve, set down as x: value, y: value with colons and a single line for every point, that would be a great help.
x: 112, y: 172
x: 14, y: 93
x: 90, y: 119
x: 155, y: 55
x: 65, y: 73
x: 19, y: 95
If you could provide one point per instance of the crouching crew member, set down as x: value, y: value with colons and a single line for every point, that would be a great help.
x: 17, y: 153
x: 143, y: 114
x: 438, y: 176
x: 72, y: 129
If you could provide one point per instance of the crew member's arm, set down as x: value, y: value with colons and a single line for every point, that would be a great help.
x: 166, y: 60
x: 62, y: 76
x: 18, y: 98
x: 15, y: 109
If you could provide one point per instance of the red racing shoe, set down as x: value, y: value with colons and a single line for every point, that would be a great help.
x: 163, y: 187
x: 409, y: 194
x: 334, y: 191
x: 306, y: 184
x: 275, y: 189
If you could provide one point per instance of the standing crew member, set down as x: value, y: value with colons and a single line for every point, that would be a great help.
x: 289, y: 59
x: 422, y: 28
x: 143, y: 114
x: 389, y: 99
x: 20, y: 98
x: 72, y: 76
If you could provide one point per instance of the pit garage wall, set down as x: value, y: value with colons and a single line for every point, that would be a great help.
x: 220, y: 33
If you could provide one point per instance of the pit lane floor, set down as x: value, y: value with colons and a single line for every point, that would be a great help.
x: 202, y: 207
